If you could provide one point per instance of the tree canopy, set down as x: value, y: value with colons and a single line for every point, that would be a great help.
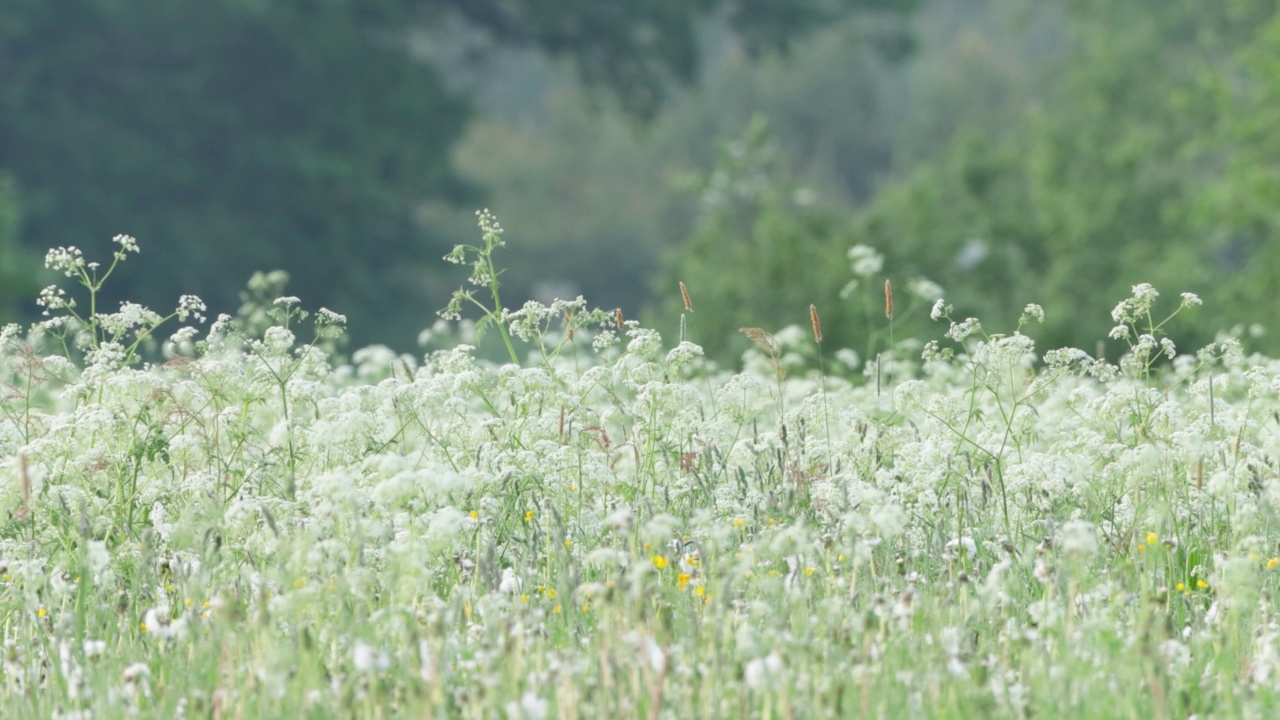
x: 238, y: 135
x: 1142, y: 152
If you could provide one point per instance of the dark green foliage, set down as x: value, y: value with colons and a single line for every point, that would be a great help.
x: 1144, y: 152
x: 228, y: 137
x: 1089, y: 192
x: 638, y: 46
x: 766, y: 248
x: 16, y: 283
x: 1239, y: 212
x: 231, y: 136
x: 761, y: 254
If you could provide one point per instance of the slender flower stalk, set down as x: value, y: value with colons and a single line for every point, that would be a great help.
x: 25, y: 477
x: 888, y: 313
x: 773, y: 352
x: 688, y: 308
x: 816, y: 323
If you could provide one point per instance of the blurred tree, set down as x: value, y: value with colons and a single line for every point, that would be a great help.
x: 1141, y: 151
x: 842, y: 121
x: 594, y: 200
x: 759, y: 250
x: 638, y: 47
x: 765, y: 248
x: 236, y: 135
x: 228, y: 137
x: 1089, y: 192
x: 16, y: 279
x: 1239, y: 210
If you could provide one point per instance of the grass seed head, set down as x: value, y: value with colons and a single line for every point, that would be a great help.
x: 762, y: 340
x: 816, y: 323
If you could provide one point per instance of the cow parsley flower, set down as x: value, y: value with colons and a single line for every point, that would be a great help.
x: 67, y: 260
x: 127, y: 243
x: 531, y: 707
x: 190, y: 305
x: 962, y: 330
x: 761, y: 672
x: 864, y: 261
x: 366, y: 658
x: 1079, y: 538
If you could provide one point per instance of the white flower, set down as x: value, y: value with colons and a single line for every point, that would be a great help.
x: 191, y: 305
x: 621, y: 520
x: 964, y: 541
x: 1136, y: 307
x: 158, y: 623
x: 760, y: 672
x: 531, y: 707
x: 68, y: 260
x: 54, y: 298
x: 511, y: 582
x: 864, y: 261
x: 127, y: 243
x: 940, y: 308
x: 603, y: 340
x: 849, y: 358
x: 960, y: 331
x: 365, y: 658
x: 1079, y: 538
x: 924, y: 288
x: 99, y: 558
x: 278, y: 339
x: 135, y: 680
x: 328, y: 317
x: 683, y: 354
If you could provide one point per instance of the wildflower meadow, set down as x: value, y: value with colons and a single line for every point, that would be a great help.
x: 224, y: 518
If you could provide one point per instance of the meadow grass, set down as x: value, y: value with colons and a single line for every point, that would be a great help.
x: 602, y: 526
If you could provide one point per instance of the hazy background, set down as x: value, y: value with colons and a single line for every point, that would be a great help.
x: 1009, y: 151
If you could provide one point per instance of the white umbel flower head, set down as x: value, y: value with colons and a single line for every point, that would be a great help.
x: 511, y: 582
x: 760, y: 672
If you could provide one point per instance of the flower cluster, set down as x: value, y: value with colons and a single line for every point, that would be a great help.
x: 622, y: 527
